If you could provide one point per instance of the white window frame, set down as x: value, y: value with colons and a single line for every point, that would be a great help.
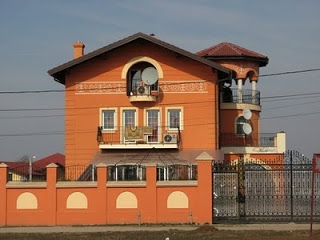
x: 122, y: 110
x: 115, y: 119
x: 145, y: 122
x: 181, y: 123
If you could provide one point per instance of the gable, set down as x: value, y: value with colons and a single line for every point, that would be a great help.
x: 59, y: 72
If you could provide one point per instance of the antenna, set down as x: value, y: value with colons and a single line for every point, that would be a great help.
x: 247, y: 114
x: 246, y: 128
x: 149, y: 75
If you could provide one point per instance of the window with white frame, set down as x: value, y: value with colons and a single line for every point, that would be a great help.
x: 109, y: 119
x: 174, y: 119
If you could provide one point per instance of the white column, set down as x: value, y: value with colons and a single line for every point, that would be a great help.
x: 240, y: 82
x: 253, y: 91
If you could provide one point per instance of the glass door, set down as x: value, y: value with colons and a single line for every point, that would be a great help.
x: 153, y: 121
x: 129, y: 125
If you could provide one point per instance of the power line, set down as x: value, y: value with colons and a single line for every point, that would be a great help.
x: 162, y: 84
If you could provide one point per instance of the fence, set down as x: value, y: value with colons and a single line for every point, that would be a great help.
x: 278, y: 190
x: 77, y: 173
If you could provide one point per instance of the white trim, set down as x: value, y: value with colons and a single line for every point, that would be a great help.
x: 136, y: 121
x: 101, y: 110
x: 181, y: 123
x: 145, y: 120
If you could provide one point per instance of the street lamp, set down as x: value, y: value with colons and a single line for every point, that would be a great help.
x: 30, y: 167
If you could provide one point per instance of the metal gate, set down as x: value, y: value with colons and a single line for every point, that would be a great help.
x: 247, y: 190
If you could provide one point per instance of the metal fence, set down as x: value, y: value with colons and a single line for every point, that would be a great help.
x: 77, y: 173
x: 265, y: 190
x: 252, y: 140
x: 234, y: 95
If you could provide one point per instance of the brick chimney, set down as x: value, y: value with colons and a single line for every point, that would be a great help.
x: 78, y: 48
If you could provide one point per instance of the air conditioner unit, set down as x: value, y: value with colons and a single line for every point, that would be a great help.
x: 144, y: 90
x: 170, y: 138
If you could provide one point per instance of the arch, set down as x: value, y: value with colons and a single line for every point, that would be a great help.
x: 27, y: 200
x: 178, y: 199
x: 126, y: 200
x: 252, y: 75
x: 135, y: 60
x: 77, y: 200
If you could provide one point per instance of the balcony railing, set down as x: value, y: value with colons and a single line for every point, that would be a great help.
x: 144, y: 94
x: 139, y: 137
x: 234, y: 95
x: 252, y: 140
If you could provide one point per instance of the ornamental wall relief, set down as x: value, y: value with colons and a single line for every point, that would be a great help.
x: 119, y: 87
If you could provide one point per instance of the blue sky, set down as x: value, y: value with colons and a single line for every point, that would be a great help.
x: 37, y: 35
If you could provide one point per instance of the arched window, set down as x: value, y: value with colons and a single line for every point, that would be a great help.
x: 134, y: 80
x: 240, y: 122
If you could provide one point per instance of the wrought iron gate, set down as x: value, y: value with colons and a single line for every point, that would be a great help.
x: 264, y: 190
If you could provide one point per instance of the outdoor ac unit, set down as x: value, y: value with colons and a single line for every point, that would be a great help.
x: 170, y: 138
x: 144, y: 90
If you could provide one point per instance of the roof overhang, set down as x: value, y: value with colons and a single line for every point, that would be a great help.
x: 59, y: 72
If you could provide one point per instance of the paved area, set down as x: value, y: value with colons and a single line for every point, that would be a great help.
x: 241, y: 227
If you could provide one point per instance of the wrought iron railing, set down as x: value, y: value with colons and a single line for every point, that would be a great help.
x: 139, y: 135
x: 27, y: 173
x: 77, y: 173
x: 177, y: 172
x: 234, y: 95
x: 251, y: 140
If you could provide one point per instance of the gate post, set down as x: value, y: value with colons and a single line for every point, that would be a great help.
x: 241, y: 187
x: 204, y: 161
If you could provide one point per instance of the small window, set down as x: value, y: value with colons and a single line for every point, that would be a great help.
x: 108, y: 119
x: 174, y: 119
x: 240, y: 122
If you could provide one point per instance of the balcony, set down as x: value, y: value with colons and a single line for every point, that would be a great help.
x: 144, y: 94
x: 234, y: 95
x: 140, y: 137
x: 253, y: 143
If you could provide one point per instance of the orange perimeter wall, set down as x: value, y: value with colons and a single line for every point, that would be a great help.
x: 101, y: 197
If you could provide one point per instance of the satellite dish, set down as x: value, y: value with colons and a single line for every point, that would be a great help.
x: 149, y: 75
x: 247, y: 114
x: 246, y: 128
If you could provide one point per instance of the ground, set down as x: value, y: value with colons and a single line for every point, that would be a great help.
x: 203, y: 233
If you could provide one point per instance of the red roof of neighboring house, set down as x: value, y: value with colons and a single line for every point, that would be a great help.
x: 57, y: 158
x: 227, y: 50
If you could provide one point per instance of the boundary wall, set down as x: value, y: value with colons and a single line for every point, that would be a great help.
x: 101, y: 202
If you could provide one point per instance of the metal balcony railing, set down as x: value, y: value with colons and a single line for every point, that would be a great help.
x: 252, y: 140
x: 139, y: 135
x: 234, y: 95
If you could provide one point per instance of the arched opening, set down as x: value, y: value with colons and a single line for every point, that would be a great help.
x: 135, y: 82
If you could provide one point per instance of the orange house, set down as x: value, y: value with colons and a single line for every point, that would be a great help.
x: 141, y: 98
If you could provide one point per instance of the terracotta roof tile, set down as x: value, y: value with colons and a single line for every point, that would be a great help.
x: 226, y: 49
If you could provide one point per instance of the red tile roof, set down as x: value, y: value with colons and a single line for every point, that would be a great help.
x: 57, y: 158
x: 226, y: 49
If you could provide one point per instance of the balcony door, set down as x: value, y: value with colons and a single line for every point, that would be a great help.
x: 153, y: 121
x: 128, y: 121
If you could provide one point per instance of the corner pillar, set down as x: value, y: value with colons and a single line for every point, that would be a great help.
x: 149, y: 212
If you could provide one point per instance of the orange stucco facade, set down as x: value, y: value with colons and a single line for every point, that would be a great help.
x: 186, y: 84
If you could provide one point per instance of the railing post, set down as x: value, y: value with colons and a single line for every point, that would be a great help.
x: 3, y: 193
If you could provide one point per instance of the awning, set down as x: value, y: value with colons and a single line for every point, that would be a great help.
x: 150, y: 156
